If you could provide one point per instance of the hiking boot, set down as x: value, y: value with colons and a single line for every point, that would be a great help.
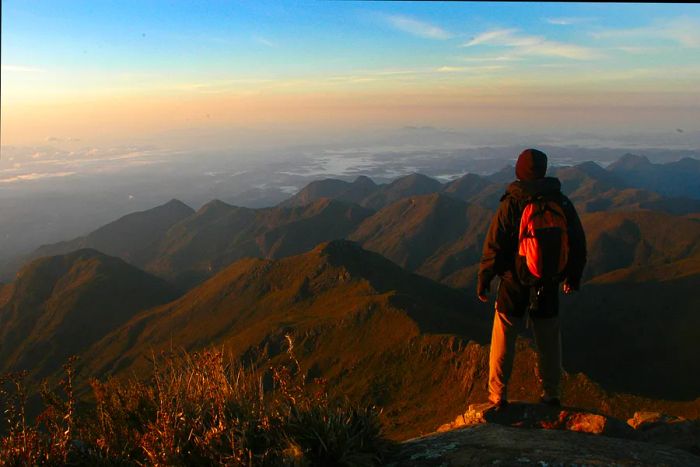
x: 550, y: 401
x: 500, y: 405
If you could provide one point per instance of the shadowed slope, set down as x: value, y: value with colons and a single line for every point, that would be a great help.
x: 60, y: 305
x: 298, y: 230
x: 204, y: 242
x: 433, y: 235
x: 638, y: 329
x: 467, y: 186
x: 410, y: 185
x: 364, y: 191
x: 678, y: 178
x: 219, y: 234
x: 476, y: 189
x: 637, y: 238
x: 254, y: 297
x: 593, y: 188
x: 130, y: 237
x: 351, y: 192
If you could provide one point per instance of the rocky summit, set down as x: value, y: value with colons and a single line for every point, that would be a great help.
x: 536, y: 434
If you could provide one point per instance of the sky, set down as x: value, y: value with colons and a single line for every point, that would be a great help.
x: 241, y: 73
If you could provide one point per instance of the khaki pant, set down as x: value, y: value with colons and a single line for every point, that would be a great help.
x: 548, y: 341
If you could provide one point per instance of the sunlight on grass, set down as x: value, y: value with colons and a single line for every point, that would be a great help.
x: 196, y: 409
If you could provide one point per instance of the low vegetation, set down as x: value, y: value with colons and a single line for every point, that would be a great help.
x: 196, y: 409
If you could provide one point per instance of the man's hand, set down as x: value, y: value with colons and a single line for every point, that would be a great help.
x: 482, y: 288
x: 481, y: 293
x: 566, y: 288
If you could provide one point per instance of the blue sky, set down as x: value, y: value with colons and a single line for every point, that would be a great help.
x: 293, y: 37
x: 60, y: 55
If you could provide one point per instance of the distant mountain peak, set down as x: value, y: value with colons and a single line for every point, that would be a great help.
x: 467, y: 185
x: 590, y: 166
x: 689, y: 162
x: 215, y: 207
x: 469, y: 176
x: 414, y: 175
x: 364, y: 180
x: 320, y: 204
x: 176, y: 203
x: 58, y: 263
x: 131, y: 237
x: 332, y: 188
x: 84, y: 253
x: 414, y: 178
x: 338, y: 247
x: 408, y: 185
x: 588, y: 171
x: 216, y: 203
x: 505, y: 175
x: 630, y: 162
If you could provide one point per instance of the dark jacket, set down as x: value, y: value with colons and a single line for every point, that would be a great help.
x: 501, y: 243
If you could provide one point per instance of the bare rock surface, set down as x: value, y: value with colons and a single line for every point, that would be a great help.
x: 656, y: 427
x: 494, y: 444
x: 537, y: 434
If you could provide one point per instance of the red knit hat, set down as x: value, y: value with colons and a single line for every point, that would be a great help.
x: 531, y: 165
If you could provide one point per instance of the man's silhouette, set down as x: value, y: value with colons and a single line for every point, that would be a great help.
x: 517, y: 294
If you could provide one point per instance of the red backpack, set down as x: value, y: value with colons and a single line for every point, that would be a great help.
x: 543, y: 242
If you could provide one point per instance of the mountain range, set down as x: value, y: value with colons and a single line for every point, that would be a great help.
x: 183, y: 246
x: 590, y: 186
x: 373, y: 285
x: 678, y: 179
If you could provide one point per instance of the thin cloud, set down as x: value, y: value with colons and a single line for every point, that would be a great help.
x: 684, y: 30
x: 463, y: 69
x: 523, y: 44
x: 498, y: 58
x: 394, y: 72
x: 637, y: 50
x: 568, y: 21
x: 22, y: 69
x: 264, y: 41
x: 417, y: 27
x: 35, y: 176
x: 490, y: 37
x: 58, y: 139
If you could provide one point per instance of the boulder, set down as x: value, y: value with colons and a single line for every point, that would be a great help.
x: 527, y: 415
x: 660, y: 428
x: 646, y: 420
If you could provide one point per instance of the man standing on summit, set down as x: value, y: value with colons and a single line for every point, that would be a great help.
x: 534, y: 243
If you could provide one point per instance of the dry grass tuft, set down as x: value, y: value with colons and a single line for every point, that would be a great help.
x: 196, y: 409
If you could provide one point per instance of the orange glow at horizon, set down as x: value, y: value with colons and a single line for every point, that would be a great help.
x: 109, y: 118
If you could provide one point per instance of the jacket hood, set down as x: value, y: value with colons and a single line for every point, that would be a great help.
x: 521, y: 189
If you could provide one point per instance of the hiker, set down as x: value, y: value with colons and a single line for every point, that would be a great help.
x: 535, y: 242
